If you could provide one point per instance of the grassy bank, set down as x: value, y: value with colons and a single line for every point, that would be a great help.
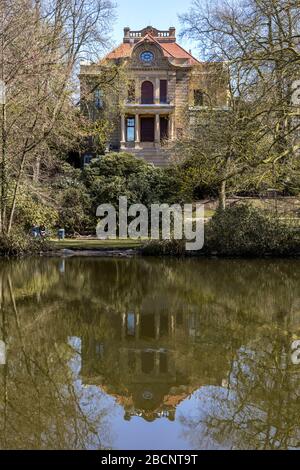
x: 95, y: 244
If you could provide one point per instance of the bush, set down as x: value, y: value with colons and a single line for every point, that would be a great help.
x: 72, y: 199
x: 121, y: 174
x: 164, y: 248
x: 193, y: 185
x: 237, y: 231
x: 246, y: 231
x: 31, y: 210
x: 74, y: 207
x: 19, y: 243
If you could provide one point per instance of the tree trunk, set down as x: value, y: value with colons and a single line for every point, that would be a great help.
x: 3, y: 170
x: 222, y: 195
x: 36, y: 169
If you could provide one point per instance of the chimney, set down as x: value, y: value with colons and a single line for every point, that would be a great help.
x: 126, y: 32
x: 172, y: 31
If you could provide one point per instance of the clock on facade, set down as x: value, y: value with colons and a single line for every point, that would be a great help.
x: 147, y: 57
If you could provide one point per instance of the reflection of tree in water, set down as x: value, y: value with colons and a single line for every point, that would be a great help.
x: 225, y: 316
x: 259, y: 406
x: 41, y: 404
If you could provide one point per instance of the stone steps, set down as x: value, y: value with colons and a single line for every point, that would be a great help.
x: 158, y: 157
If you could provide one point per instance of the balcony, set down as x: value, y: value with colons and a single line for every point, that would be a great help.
x: 137, y: 107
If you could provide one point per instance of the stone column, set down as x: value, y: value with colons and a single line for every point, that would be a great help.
x: 157, y: 326
x: 157, y: 363
x: 157, y: 130
x: 123, y: 326
x: 137, y: 131
x: 123, y: 131
x: 172, y: 325
x: 138, y: 91
x: 171, y: 127
x: 137, y: 325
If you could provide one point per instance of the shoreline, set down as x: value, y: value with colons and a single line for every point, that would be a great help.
x: 132, y: 253
x: 100, y: 253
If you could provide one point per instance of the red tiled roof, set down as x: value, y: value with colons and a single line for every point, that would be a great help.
x: 175, y: 50
x: 123, y: 50
x: 171, y: 49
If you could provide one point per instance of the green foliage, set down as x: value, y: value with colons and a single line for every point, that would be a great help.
x: 32, y: 210
x: 19, y: 243
x: 99, y: 130
x: 74, y: 209
x: 193, y: 183
x: 164, y: 248
x: 247, y: 231
x: 72, y: 200
x: 291, y: 185
x: 121, y: 174
x: 237, y: 231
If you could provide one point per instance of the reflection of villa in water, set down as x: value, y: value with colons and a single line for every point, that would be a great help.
x: 143, y: 366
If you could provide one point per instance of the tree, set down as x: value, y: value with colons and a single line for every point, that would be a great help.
x: 72, y: 200
x: 41, y: 43
x: 259, y: 42
x: 222, y: 149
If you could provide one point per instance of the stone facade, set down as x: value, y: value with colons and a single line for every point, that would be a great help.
x: 162, y: 86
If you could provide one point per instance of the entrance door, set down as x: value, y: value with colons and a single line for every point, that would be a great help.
x: 147, y: 129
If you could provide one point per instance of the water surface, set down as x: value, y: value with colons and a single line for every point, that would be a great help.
x: 149, y: 354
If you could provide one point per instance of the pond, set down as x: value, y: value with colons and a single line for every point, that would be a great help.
x: 145, y: 353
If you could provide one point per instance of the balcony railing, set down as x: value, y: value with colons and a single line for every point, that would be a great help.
x: 170, y: 33
x: 139, y: 102
x: 135, y: 34
x: 164, y: 34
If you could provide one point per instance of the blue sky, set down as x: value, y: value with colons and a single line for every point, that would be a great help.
x: 158, y: 13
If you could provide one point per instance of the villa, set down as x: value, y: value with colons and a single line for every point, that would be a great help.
x: 165, y: 85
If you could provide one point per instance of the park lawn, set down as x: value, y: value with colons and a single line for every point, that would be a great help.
x: 209, y: 213
x: 95, y: 244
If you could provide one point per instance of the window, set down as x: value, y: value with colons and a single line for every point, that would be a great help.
x: 98, y: 95
x: 130, y: 324
x: 164, y: 325
x: 131, y: 91
x: 163, y: 91
x: 130, y: 129
x: 87, y: 159
x: 147, y: 359
x: 147, y: 93
x: 163, y: 362
x: 198, y: 98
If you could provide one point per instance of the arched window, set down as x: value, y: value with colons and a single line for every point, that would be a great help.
x: 147, y: 93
